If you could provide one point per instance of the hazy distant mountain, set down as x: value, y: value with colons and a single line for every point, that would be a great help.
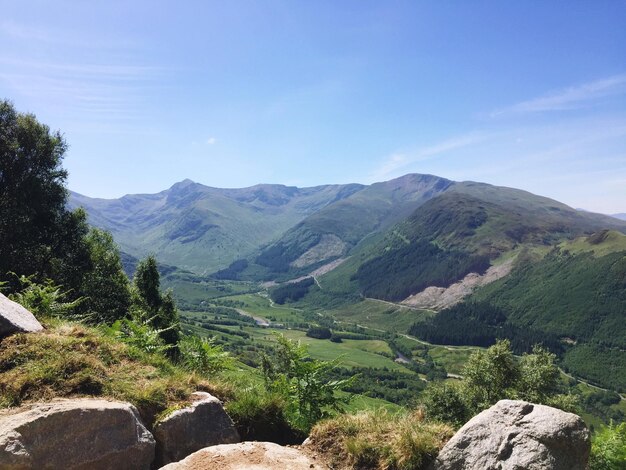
x: 201, y: 228
x: 621, y: 216
x: 285, y: 231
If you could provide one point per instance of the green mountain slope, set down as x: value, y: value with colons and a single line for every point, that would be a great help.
x: 457, y: 232
x: 573, y: 300
x: 203, y: 229
x: 337, y: 228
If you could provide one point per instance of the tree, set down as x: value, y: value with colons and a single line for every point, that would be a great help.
x: 105, y: 285
x: 150, y: 304
x: 495, y: 374
x: 32, y: 194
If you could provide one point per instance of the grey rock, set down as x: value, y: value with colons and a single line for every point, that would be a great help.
x: 246, y: 456
x: 204, y: 423
x: 76, y: 434
x: 517, y: 435
x: 16, y: 319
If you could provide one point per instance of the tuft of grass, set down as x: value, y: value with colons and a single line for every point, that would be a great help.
x: 380, y: 440
x: 68, y: 359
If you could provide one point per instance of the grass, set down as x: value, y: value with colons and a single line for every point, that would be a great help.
x: 379, y: 315
x: 452, y: 358
x: 68, y: 359
x: 380, y: 439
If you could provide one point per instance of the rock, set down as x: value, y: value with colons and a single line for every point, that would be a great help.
x: 16, y: 319
x: 517, y: 435
x: 203, y: 424
x: 247, y: 456
x: 75, y: 435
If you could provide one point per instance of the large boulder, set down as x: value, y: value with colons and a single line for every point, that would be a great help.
x: 517, y: 435
x: 77, y: 434
x: 247, y: 456
x: 204, y: 423
x: 16, y: 319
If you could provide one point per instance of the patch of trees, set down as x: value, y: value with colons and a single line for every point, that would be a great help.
x: 411, y: 268
x: 481, y: 324
x: 233, y: 271
x: 291, y: 292
x: 278, y: 257
x: 319, y: 332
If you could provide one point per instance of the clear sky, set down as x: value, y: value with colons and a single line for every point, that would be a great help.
x: 528, y: 94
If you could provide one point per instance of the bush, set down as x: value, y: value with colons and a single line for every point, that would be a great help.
x: 261, y: 416
x: 379, y: 439
x: 608, y: 449
x: 319, y: 332
x: 202, y: 355
x: 303, y: 382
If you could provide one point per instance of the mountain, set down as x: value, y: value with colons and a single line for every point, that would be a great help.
x: 621, y: 216
x: 202, y: 229
x: 337, y: 228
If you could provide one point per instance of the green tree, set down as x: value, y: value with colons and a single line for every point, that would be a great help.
x: 495, y: 374
x: 105, y: 285
x: 490, y: 375
x: 151, y: 305
x: 37, y: 233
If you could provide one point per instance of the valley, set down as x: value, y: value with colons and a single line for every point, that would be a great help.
x: 409, y: 276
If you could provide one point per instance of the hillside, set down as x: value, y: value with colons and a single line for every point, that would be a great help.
x: 458, y: 232
x: 337, y: 228
x: 203, y: 229
x: 573, y: 300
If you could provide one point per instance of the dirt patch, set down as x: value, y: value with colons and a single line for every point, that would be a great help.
x: 438, y: 298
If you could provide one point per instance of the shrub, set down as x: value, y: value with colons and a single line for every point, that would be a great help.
x: 202, y: 355
x: 379, y: 439
x: 608, y: 448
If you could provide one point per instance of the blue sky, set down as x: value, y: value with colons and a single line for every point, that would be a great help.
x: 526, y: 94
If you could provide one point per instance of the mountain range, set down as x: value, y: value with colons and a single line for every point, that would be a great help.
x: 283, y: 229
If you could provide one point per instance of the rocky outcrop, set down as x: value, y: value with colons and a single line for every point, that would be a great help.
x: 203, y: 424
x: 76, y: 434
x: 516, y: 435
x: 247, y: 455
x: 16, y: 319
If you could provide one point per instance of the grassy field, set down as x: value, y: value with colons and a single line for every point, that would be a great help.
x: 260, y: 305
x: 379, y: 315
x: 450, y: 357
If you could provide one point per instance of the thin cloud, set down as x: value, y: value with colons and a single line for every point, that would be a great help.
x: 211, y: 140
x: 397, y: 161
x: 569, y: 98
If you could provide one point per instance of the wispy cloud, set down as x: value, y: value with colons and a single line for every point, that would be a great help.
x: 399, y: 161
x: 569, y: 98
x: 211, y: 140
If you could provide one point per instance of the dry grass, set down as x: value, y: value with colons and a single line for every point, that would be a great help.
x: 380, y: 440
x: 68, y: 359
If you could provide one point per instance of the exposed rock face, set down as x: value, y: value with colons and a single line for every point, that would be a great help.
x: 517, y: 435
x: 203, y: 424
x: 438, y: 298
x: 247, y: 456
x: 16, y: 319
x: 77, y: 434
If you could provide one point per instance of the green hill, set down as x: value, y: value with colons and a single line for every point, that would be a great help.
x: 203, y: 229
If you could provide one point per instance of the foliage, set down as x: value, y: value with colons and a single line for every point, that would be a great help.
x: 70, y: 359
x: 45, y: 299
x: 481, y: 324
x: 202, y: 355
x: 494, y: 374
x: 140, y: 335
x: 319, y: 332
x: 608, y: 448
x: 292, y: 291
x: 151, y: 306
x: 233, y: 270
x: 260, y: 415
x: 378, y: 439
x: 410, y: 268
x: 303, y: 382
x: 105, y: 286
